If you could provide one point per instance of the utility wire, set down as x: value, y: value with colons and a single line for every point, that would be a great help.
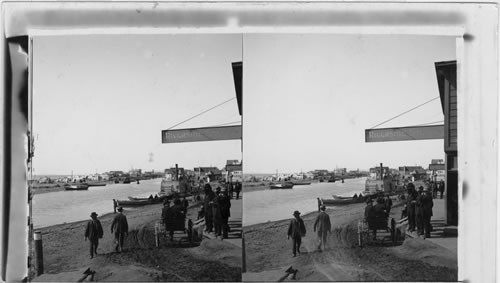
x: 404, y: 112
x: 227, y: 124
x: 430, y: 123
x: 201, y: 113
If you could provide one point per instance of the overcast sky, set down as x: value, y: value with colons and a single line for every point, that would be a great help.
x: 309, y: 98
x: 100, y: 102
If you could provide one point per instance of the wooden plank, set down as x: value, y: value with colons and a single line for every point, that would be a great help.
x: 404, y: 133
x: 202, y: 134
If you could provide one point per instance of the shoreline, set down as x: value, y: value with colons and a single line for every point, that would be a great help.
x: 269, y: 253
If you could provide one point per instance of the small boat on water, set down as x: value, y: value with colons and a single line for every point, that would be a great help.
x: 76, y: 187
x: 281, y: 186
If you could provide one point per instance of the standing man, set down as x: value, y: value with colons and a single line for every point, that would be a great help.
x: 441, y: 188
x: 217, y: 213
x: 225, y: 211
x: 237, y: 189
x: 420, y: 210
x: 185, y: 204
x: 93, y: 232
x: 410, y: 204
x: 296, y: 230
x: 207, y: 207
x: 388, y: 203
x: 120, y: 228
x: 323, y: 225
x: 427, y: 204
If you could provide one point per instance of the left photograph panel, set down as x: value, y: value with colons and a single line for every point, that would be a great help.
x: 137, y: 166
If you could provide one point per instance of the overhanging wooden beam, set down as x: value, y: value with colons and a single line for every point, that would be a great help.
x: 405, y: 133
x: 201, y: 134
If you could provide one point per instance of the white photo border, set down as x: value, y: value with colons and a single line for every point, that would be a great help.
x: 474, y: 25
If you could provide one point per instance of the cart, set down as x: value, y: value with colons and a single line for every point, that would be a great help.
x: 175, y: 221
x: 376, y: 231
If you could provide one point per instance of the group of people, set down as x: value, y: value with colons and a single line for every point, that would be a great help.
x: 437, y: 187
x: 297, y: 230
x: 217, y: 210
x: 94, y: 231
x: 418, y: 209
x: 173, y: 217
x: 376, y: 215
x: 234, y: 188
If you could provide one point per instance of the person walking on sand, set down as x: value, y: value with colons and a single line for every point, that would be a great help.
x: 296, y: 230
x: 323, y: 226
x: 120, y: 228
x: 93, y: 232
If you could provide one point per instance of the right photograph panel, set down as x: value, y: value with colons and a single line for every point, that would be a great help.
x: 350, y: 151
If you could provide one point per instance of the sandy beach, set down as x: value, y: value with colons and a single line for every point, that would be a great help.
x: 66, y: 254
x: 269, y: 254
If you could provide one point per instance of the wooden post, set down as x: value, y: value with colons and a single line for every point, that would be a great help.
x: 114, y: 205
x: 38, y: 253
x: 243, y: 255
x: 319, y: 205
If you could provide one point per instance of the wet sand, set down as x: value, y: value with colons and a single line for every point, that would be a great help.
x: 269, y: 254
x: 66, y: 254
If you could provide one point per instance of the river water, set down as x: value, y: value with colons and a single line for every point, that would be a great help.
x: 69, y: 206
x: 272, y: 205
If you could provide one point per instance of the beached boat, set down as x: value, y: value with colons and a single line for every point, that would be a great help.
x: 133, y: 203
x: 97, y: 184
x: 76, y: 187
x: 154, y: 199
x: 340, y: 201
x: 282, y: 186
x: 300, y: 182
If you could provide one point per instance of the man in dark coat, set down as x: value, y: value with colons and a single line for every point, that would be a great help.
x: 216, y: 212
x: 410, y: 204
x: 379, y: 215
x: 237, y: 189
x: 441, y: 189
x: 93, y: 232
x: 176, y: 217
x: 296, y: 230
x: 388, y: 204
x: 120, y: 229
x: 185, y: 204
x: 426, y: 203
x: 225, y: 211
x: 369, y: 210
x: 419, y: 210
x: 323, y: 226
x: 207, y: 207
